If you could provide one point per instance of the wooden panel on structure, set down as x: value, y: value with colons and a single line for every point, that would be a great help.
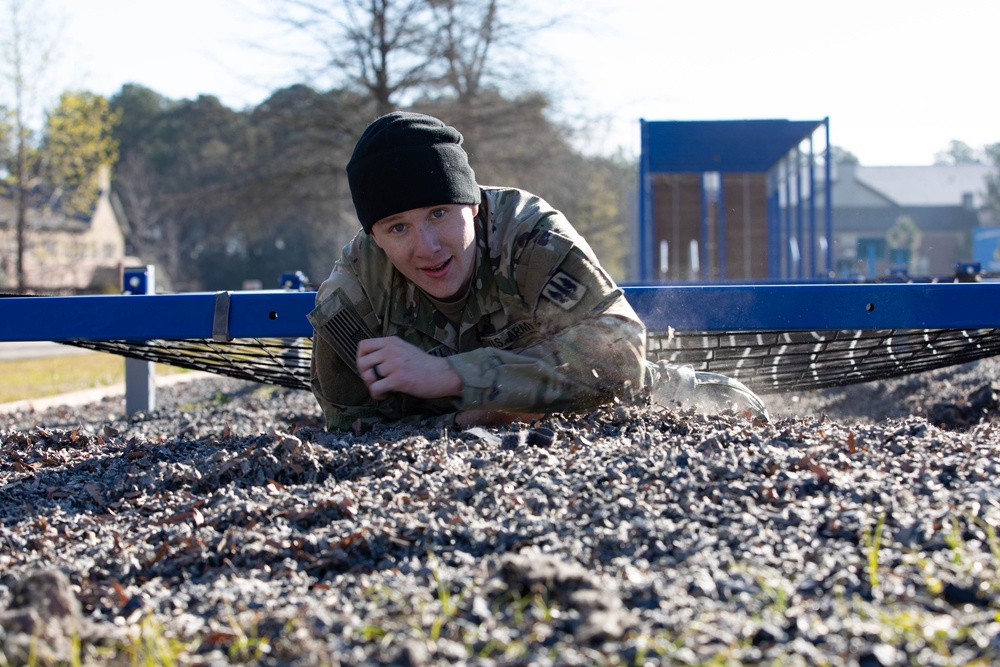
x: 676, y: 220
x: 745, y: 197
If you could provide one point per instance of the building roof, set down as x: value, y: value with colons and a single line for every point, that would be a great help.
x: 39, y: 219
x: 927, y: 218
x: 937, y: 185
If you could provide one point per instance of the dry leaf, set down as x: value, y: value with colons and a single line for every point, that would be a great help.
x: 95, y: 492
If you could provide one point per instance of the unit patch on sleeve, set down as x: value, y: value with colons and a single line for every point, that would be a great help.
x: 564, y: 290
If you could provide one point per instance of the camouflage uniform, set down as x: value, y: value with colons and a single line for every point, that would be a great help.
x: 544, y: 328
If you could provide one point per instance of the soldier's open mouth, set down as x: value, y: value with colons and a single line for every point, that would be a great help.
x: 435, y: 271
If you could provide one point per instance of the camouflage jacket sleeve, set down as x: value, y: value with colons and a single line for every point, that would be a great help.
x: 587, y: 346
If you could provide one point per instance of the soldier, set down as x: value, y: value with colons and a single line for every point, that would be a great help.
x: 481, y: 305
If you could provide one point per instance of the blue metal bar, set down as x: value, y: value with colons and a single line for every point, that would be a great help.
x: 160, y: 316
x: 281, y: 314
x: 817, y: 307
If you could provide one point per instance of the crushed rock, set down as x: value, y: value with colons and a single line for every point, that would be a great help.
x: 857, y: 527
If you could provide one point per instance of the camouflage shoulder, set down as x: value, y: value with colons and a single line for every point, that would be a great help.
x: 514, y: 213
x: 363, y: 273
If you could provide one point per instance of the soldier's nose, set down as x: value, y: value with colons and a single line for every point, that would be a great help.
x: 427, y: 243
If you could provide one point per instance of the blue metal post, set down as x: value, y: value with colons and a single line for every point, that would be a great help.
x: 828, y: 199
x: 812, y: 209
x: 720, y: 208
x: 773, y: 233
x: 703, y: 255
x: 799, y: 228
x: 646, y: 232
x: 140, y: 375
x: 788, y: 220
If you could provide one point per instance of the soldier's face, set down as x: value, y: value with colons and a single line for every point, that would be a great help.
x: 434, y: 247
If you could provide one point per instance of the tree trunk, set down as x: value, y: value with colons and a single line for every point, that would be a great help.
x: 22, y: 211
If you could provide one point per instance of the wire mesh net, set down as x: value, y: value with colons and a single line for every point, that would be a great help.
x: 771, y: 362
x: 767, y: 362
x: 278, y: 361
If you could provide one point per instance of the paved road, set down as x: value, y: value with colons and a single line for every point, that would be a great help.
x: 32, y: 350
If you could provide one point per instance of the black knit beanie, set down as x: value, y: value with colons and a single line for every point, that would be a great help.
x: 408, y: 160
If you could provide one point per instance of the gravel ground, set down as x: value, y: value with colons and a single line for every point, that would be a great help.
x: 857, y: 527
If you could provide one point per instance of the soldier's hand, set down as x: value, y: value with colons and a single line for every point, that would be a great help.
x: 392, y: 365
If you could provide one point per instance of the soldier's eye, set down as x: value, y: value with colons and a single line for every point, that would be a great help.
x: 438, y: 213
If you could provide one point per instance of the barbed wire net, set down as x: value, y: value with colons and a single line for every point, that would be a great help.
x: 767, y: 362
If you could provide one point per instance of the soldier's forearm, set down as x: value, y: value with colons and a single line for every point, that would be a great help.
x: 580, y: 367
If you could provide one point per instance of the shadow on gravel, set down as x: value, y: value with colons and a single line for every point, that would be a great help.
x: 982, y: 405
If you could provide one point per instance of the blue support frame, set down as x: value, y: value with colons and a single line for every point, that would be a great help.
x: 282, y: 314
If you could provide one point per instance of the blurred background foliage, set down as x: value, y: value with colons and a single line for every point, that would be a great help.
x: 216, y: 197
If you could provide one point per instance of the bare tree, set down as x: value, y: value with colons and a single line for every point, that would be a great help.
x: 959, y: 152
x: 25, y: 52
x: 486, y: 43
x: 151, y: 231
x: 993, y: 180
x: 396, y: 50
x: 385, y: 47
x: 468, y: 30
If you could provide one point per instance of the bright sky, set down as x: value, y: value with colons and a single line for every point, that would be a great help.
x: 899, y: 79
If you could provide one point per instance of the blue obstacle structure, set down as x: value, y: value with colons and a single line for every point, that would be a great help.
x: 745, y: 199
x: 773, y: 337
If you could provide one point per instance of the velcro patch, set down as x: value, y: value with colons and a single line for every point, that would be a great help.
x: 343, y: 328
x: 347, y: 330
x: 564, y: 290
